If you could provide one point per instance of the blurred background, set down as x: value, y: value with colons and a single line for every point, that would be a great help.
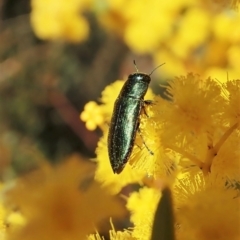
x: 55, y: 56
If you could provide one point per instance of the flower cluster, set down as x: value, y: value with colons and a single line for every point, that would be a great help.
x: 195, y: 136
x: 60, y: 202
x: 195, y: 139
x: 194, y: 132
x: 60, y: 19
x: 191, y: 36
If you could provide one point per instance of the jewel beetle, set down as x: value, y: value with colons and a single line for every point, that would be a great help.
x: 126, y: 118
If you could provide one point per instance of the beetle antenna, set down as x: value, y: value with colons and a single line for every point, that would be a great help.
x: 134, y: 62
x: 156, y: 69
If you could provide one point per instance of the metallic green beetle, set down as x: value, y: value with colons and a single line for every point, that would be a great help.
x: 126, y: 119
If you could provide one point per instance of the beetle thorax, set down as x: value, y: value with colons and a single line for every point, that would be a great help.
x: 136, y: 86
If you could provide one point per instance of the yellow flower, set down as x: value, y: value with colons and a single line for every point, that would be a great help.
x: 222, y: 74
x: 146, y: 15
x: 92, y: 115
x: 226, y: 26
x: 226, y: 163
x: 52, y: 19
x: 157, y: 17
x: 205, y: 208
x: 121, y: 235
x: 109, y: 95
x: 158, y: 30
x: 232, y: 109
x: 234, y: 56
x: 175, y: 65
x: 191, y: 36
x: 110, y: 14
x: 152, y: 158
x: 97, y: 115
x: 195, y: 123
x: 114, y: 235
x: 142, y: 206
x: 188, y: 131
x: 15, y: 219
x: 61, y: 202
x: 193, y: 108
x: 206, y: 211
x: 95, y: 237
x: 195, y: 134
x: 193, y: 31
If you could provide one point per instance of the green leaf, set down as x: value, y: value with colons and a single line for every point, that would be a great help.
x: 163, y: 225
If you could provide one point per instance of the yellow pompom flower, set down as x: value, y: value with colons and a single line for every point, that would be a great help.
x: 121, y: 235
x: 226, y: 164
x: 114, y: 235
x: 109, y: 95
x: 175, y: 65
x: 152, y: 157
x: 206, y: 210
x: 188, y: 130
x: 60, y: 202
x: 143, y: 25
x: 142, y: 206
x: 52, y: 19
x: 200, y: 129
x: 192, y: 139
x: 194, y: 106
x: 92, y: 115
x: 190, y: 35
x: 222, y: 74
x: 234, y: 56
x: 226, y: 26
x: 232, y: 94
x: 95, y: 237
x: 193, y: 31
x: 15, y: 220
x: 96, y: 115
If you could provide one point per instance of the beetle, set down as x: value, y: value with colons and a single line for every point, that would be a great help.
x: 126, y: 118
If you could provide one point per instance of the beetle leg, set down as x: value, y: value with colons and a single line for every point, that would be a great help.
x: 138, y: 146
x: 149, y: 150
x: 144, y: 110
x: 146, y: 103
